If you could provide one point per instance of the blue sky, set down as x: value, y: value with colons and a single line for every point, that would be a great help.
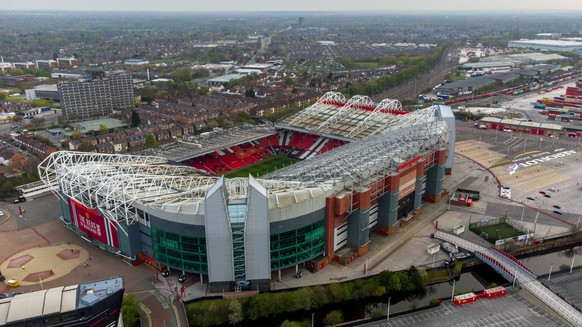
x: 296, y: 5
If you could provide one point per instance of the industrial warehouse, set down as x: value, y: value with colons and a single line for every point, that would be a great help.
x: 361, y: 167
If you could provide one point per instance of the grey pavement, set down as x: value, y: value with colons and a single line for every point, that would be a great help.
x: 510, y: 310
x: 567, y: 285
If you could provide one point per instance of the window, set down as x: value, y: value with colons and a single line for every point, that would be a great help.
x: 182, y: 251
x: 296, y: 246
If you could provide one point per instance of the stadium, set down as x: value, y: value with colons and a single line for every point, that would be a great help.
x: 315, y: 186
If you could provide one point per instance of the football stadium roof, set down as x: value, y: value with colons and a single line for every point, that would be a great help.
x: 385, y: 140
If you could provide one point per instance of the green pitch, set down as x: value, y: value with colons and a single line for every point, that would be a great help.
x: 262, y: 168
x: 498, y: 231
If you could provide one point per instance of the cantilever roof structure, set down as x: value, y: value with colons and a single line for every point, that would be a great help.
x: 113, y: 183
x: 194, y: 146
x: 403, y: 139
x: 382, y: 140
x: 337, y: 117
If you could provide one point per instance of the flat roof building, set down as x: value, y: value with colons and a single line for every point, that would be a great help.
x: 220, y: 80
x: 136, y: 62
x: 95, y: 98
x: 95, y: 303
x: 551, y: 45
x: 45, y: 91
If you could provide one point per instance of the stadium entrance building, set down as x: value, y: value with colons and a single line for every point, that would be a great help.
x: 363, y: 167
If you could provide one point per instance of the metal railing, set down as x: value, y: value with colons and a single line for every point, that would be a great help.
x: 520, y: 273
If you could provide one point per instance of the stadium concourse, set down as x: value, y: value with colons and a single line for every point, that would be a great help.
x: 362, y: 167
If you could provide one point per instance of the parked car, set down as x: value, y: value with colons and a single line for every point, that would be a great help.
x: 182, y: 278
x: 1, y: 213
x: 557, y: 206
x: 13, y: 282
x: 450, y: 260
x: 552, y: 189
x: 19, y: 199
x: 547, y: 196
x: 530, y: 198
x: 505, y: 192
x: 542, y: 192
x: 557, y: 212
x: 165, y: 272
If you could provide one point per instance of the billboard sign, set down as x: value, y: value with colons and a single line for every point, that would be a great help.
x: 96, y: 226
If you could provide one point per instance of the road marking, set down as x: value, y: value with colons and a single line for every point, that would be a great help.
x: 147, y: 312
x: 160, y: 299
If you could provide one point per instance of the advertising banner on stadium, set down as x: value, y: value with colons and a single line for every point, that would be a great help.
x: 95, y: 225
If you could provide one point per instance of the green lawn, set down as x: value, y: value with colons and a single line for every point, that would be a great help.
x: 262, y: 168
x: 367, y: 64
x: 498, y: 231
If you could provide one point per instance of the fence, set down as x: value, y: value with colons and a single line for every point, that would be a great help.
x: 487, y: 222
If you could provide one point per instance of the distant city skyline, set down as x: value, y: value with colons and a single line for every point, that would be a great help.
x: 298, y: 5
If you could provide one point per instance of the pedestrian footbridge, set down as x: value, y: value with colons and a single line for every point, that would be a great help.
x: 514, y: 271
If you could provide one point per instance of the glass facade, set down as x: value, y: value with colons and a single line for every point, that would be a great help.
x: 238, y: 215
x: 296, y: 246
x: 180, y: 251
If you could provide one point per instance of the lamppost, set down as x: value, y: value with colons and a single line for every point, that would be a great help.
x: 453, y: 291
x: 387, y: 310
x: 550, y: 274
x: 312, y: 318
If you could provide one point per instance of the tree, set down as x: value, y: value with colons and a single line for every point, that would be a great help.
x: 130, y: 310
x: 200, y: 72
x: 6, y: 188
x: 76, y: 135
x: 86, y: 146
x: 250, y: 93
x: 135, y: 120
x: 182, y: 74
x: 333, y: 318
x: 288, y: 81
x: 103, y: 129
x: 150, y: 141
x: 235, y: 314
